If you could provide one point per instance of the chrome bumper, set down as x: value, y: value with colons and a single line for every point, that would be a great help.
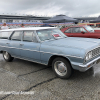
x: 84, y: 67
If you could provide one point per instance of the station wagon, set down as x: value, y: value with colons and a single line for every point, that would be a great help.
x: 49, y: 46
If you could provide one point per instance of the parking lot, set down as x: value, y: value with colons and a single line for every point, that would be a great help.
x: 24, y: 76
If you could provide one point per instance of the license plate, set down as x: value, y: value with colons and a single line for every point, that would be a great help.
x: 98, y: 61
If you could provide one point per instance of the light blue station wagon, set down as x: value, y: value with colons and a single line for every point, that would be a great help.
x: 49, y: 46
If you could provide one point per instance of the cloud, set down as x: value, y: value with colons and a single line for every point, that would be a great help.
x: 73, y: 8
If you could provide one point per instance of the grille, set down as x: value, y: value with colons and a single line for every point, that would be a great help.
x: 96, y: 52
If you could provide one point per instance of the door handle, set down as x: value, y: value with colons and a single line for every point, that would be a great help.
x: 21, y: 44
x: 7, y: 43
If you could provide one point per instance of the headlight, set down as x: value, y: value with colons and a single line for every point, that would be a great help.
x: 88, y: 56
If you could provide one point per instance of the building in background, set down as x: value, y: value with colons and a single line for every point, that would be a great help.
x: 14, y: 21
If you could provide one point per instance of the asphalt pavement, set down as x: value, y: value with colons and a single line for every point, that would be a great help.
x: 40, y: 83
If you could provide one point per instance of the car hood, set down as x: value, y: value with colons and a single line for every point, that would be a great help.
x: 80, y: 43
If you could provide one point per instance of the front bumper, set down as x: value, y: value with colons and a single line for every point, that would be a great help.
x: 84, y: 67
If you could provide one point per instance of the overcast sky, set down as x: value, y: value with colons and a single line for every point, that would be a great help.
x: 72, y: 8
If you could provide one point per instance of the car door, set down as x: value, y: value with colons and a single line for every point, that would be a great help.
x: 14, y: 45
x: 4, y: 40
x: 80, y: 32
x: 68, y: 32
x: 30, y: 48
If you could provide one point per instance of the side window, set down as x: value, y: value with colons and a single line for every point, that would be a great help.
x: 5, y: 34
x: 76, y: 30
x: 16, y: 36
x: 29, y: 36
x: 68, y: 30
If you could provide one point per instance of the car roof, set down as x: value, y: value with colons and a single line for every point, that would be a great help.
x: 29, y: 28
x: 78, y: 26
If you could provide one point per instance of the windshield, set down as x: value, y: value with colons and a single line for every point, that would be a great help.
x: 48, y: 34
x: 90, y: 29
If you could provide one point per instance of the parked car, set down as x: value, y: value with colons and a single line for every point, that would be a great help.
x: 49, y: 46
x: 81, y: 31
x: 97, y: 29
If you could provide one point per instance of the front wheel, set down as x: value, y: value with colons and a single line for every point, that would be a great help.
x: 7, y: 56
x: 62, y: 68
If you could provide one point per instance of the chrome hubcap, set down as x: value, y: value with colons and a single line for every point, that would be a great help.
x: 60, y: 68
x: 6, y: 55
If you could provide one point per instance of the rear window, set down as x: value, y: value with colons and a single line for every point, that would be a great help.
x: 5, y: 34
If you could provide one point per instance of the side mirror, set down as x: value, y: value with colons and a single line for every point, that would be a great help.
x: 82, y: 32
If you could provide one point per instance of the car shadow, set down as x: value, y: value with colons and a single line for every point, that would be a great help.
x: 76, y: 75
x: 82, y: 75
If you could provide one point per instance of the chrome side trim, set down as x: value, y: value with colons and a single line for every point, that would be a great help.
x: 85, y: 65
x: 43, y: 52
x: 61, y: 54
x: 28, y: 60
x: 19, y: 48
x: 9, y: 47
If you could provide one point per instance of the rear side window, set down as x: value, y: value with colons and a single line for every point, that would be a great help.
x: 5, y: 34
x: 78, y: 30
x: 16, y: 36
x: 29, y: 36
x: 68, y: 30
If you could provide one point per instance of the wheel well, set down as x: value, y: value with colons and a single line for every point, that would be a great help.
x: 1, y: 51
x: 56, y: 56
